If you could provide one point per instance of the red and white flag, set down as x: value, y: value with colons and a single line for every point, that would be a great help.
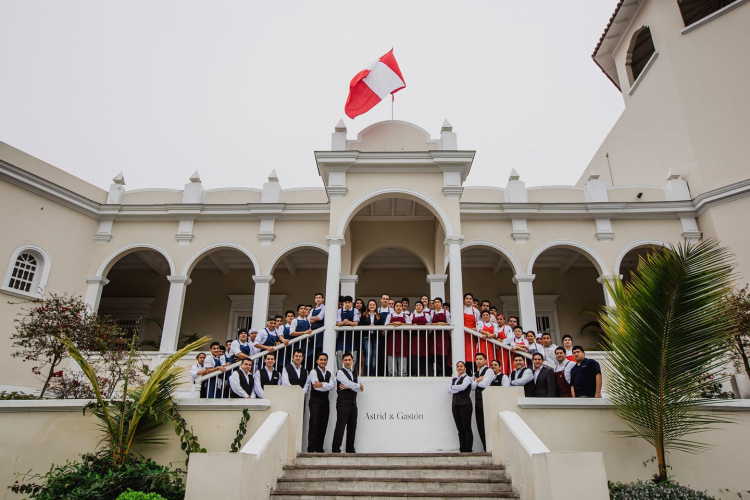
x: 371, y: 85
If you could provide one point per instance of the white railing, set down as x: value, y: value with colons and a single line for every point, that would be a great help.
x: 217, y: 382
x: 398, y: 351
x: 497, y: 349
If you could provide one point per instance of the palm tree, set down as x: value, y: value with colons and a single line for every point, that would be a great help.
x: 669, y: 327
x: 142, y: 409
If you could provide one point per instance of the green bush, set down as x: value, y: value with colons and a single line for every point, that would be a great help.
x: 652, y: 491
x: 139, y: 495
x: 15, y: 395
x: 94, y: 477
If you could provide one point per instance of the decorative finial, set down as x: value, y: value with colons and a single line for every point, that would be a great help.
x: 593, y: 175
x: 447, y: 127
x: 340, y: 126
x: 196, y: 177
x: 119, y: 179
x: 272, y: 177
x: 514, y: 175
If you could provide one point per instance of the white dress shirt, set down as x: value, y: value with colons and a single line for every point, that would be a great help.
x: 419, y: 315
x: 481, y: 324
x: 210, y: 363
x: 262, y: 336
x: 549, y: 352
x: 349, y: 384
x: 327, y: 386
x: 234, y: 349
x: 566, y: 366
x: 487, y: 379
x: 462, y: 383
x: 321, y: 314
x: 194, y: 371
x: 527, y: 377
x: 285, y: 378
x: 256, y: 382
x: 475, y: 311
x: 234, y: 383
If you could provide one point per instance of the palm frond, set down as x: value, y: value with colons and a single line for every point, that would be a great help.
x: 668, y: 328
x: 153, y: 400
x: 101, y: 409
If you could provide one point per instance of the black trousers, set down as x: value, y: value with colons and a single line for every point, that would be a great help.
x: 480, y: 422
x: 462, y: 417
x: 441, y: 368
x: 316, y: 429
x: 418, y: 365
x: 346, y: 417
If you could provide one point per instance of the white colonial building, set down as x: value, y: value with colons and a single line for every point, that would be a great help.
x: 394, y: 215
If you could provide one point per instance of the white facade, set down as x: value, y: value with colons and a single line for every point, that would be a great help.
x: 396, y: 217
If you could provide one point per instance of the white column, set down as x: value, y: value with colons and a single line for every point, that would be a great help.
x: 608, y: 278
x: 94, y: 291
x: 173, y: 316
x: 457, y: 297
x: 526, y: 307
x: 332, y: 296
x: 261, y: 297
x: 437, y: 285
x: 349, y: 284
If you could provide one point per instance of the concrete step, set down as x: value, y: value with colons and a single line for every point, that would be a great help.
x: 394, y: 485
x: 368, y: 495
x: 394, y: 459
x: 460, y: 472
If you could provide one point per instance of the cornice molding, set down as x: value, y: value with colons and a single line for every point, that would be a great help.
x: 401, y: 162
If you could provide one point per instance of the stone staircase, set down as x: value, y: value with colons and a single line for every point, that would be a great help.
x: 385, y: 476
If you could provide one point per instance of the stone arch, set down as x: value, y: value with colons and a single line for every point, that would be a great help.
x: 118, y: 254
x: 356, y: 265
x: 635, y: 245
x: 406, y: 193
x: 494, y: 246
x: 191, y: 263
x: 601, y: 267
x: 291, y: 248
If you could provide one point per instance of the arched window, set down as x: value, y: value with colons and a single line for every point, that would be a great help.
x: 23, y: 273
x: 27, y: 272
x: 695, y: 10
x: 641, y: 50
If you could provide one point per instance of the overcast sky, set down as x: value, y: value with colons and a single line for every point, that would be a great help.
x: 159, y: 89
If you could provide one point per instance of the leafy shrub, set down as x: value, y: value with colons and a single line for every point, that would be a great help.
x: 139, y: 495
x: 15, y: 395
x: 94, y: 477
x: 650, y: 491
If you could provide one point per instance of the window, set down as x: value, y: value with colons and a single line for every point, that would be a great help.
x: 27, y: 272
x: 694, y: 10
x: 23, y: 274
x: 640, y: 52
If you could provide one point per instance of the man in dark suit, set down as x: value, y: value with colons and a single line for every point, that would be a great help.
x: 545, y: 385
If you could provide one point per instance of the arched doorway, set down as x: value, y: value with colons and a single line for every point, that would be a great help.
x: 299, y: 273
x: 136, y: 295
x: 217, y: 298
x: 568, y: 294
x: 628, y: 263
x: 394, y: 270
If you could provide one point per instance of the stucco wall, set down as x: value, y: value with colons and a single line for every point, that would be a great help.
x: 593, y: 429
x: 61, y: 434
x: 675, y: 117
x: 26, y: 218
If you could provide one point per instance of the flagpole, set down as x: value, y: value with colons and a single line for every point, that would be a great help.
x: 392, y: 99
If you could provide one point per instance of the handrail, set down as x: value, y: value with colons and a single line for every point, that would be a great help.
x: 202, y: 378
x: 386, y: 327
x: 505, y: 346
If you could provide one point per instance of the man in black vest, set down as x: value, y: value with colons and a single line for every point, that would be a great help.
x: 522, y: 376
x: 322, y: 383
x: 346, y: 405
x: 241, y: 381
x: 266, y: 376
x: 460, y: 388
x: 295, y: 373
x: 545, y: 385
x: 481, y: 379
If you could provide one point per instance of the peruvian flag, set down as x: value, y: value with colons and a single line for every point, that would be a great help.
x: 371, y: 85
